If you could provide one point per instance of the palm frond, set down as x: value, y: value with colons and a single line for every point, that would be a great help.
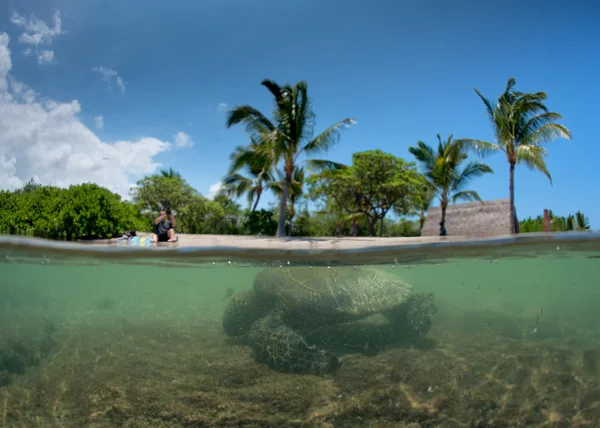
x: 488, y: 105
x: 327, y: 138
x: 319, y: 165
x: 531, y: 124
x: 236, y: 185
x: 255, y: 122
x: 303, y: 116
x: 466, y: 195
x: 424, y: 154
x: 273, y: 87
x: 472, y: 170
x: 534, y: 158
x: 170, y: 173
x: 546, y: 134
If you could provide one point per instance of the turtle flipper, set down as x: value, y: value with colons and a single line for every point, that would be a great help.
x: 243, y: 309
x: 282, y: 348
x: 415, y: 316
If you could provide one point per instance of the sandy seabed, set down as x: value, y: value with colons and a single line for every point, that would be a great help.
x: 479, y: 371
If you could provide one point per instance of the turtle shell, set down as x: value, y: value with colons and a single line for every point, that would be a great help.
x: 345, y: 292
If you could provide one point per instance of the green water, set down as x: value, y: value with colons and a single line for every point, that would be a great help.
x: 138, y: 342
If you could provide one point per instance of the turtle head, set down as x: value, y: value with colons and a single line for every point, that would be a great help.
x: 421, y: 312
x: 243, y: 309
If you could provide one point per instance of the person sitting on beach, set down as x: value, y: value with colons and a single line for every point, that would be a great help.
x: 164, y: 227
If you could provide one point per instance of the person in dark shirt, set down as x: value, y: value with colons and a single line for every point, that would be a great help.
x: 164, y: 227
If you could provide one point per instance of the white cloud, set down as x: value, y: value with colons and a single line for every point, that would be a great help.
x: 45, y: 140
x: 214, y: 189
x: 37, y: 33
x: 108, y: 74
x: 99, y: 122
x: 183, y: 140
x: 222, y: 107
x: 45, y: 57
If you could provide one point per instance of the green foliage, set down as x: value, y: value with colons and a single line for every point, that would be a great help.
x: 375, y: 183
x: 444, y: 174
x: 261, y: 221
x: 321, y: 222
x: 289, y: 135
x: 257, y: 160
x: 85, y: 211
x: 582, y: 222
x: 165, y: 190
x: 404, y: 227
x: 558, y: 224
x: 522, y: 126
x: 194, y: 213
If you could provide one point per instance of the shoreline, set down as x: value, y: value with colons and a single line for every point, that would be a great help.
x: 196, y: 240
x: 346, y: 249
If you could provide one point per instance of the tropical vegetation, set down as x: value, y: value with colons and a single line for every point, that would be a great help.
x: 523, y: 126
x: 386, y: 194
x: 442, y: 168
x: 571, y: 222
x: 288, y: 136
x: 375, y: 184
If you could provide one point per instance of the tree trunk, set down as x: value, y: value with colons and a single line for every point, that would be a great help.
x: 371, y: 226
x: 381, y: 227
x: 257, y: 199
x: 292, y: 215
x: 443, y: 221
x: 283, y: 206
x: 513, y: 219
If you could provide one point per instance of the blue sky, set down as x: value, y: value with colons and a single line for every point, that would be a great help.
x: 405, y: 70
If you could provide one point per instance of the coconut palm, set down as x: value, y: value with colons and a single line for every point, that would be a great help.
x: 443, y: 171
x: 170, y: 173
x: 290, y: 134
x: 424, y: 203
x: 582, y: 221
x: 522, y: 126
x: 257, y: 159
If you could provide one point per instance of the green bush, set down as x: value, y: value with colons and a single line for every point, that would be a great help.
x: 85, y: 211
x: 261, y: 221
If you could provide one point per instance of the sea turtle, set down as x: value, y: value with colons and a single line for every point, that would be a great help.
x: 286, y: 300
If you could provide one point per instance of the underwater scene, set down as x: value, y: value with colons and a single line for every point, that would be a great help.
x: 505, y: 336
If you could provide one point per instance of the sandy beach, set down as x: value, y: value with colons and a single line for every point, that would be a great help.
x: 345, y: 249
x: 328, y: 243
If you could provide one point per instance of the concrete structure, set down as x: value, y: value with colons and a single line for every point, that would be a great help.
x: 471, y: 220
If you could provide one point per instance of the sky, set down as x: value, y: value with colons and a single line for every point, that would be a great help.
x: 110, y: 91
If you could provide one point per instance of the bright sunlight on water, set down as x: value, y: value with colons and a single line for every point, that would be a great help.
x: 113, y: 341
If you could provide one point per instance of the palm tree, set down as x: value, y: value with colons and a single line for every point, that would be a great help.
x: 290, y: 134
x: 170, y: 173
x: 442, y: 170
x: 296, y: 191
x: 423, y: 206
x: 258, y: 160
x: 522, y: 126
x: 582, y: 222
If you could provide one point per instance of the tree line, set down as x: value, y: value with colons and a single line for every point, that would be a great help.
x: 279, y: 158
x: 281, y: 148
x: 88, y: 211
